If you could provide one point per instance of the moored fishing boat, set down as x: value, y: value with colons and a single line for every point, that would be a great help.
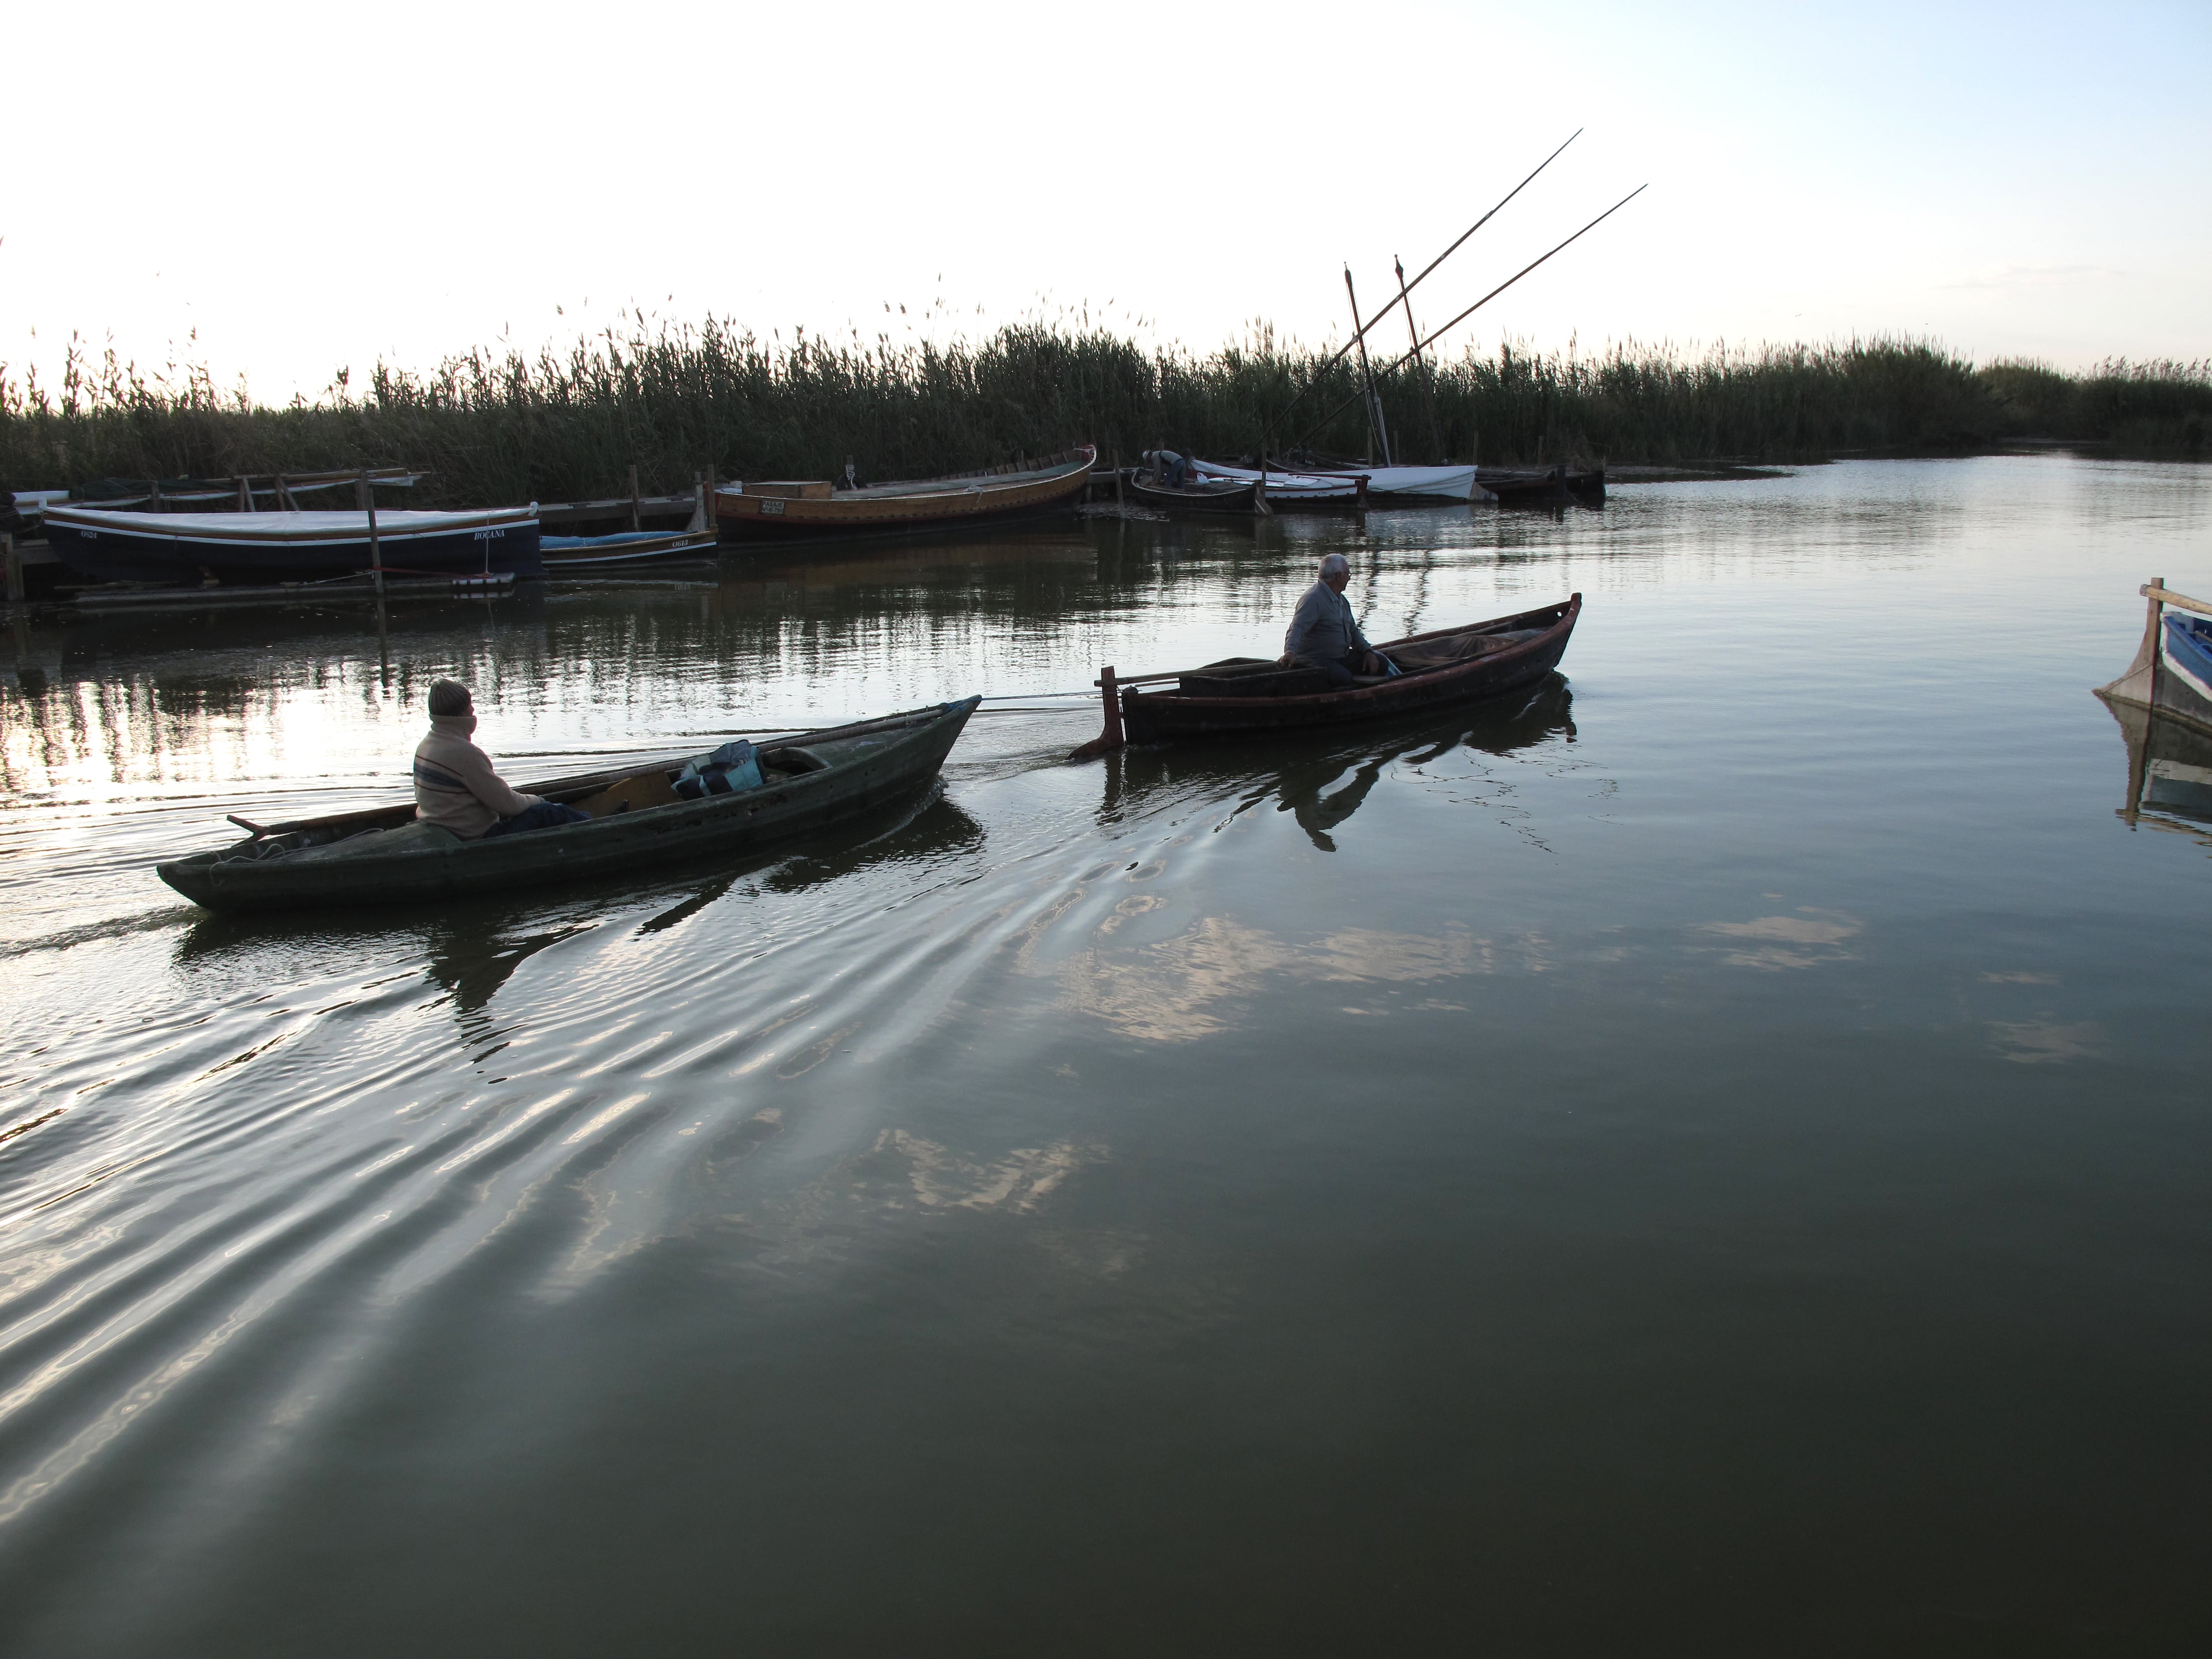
x: 1543, y: 486
x: 1200, y: 495
x: 383, y: 855
x: 2171, y: 674
x: 270, y: 547
x: 1394, y: 485
x: 563, y: 553
x: 813, y: 511
x: 1247, y: 694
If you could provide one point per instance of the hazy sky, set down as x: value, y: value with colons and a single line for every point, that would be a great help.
x: 312, y: 186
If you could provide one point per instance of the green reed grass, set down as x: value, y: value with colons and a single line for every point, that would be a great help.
x: 496, y: 428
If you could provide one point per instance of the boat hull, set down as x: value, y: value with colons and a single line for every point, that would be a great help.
x: 1228, y: 498
x: 1543, y: 487
x: 929, y: 506
x: 880, y: 773
x: 2171, y: 674
x: 1148, y: 717
x: 270, y: 547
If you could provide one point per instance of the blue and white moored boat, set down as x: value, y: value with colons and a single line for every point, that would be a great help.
x: 2171, y: 674
x: 268, y: 547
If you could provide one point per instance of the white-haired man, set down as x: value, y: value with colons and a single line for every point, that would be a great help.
x: 1322, y: 633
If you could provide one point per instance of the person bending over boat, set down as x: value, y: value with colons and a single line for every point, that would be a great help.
x: 1322, y: 633
x: 1168, y: 467
x: 455, y: 786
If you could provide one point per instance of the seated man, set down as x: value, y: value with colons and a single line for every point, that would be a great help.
x: 455, y: 787
x: 1322, y: 633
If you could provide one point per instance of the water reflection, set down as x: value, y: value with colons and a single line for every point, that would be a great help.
x: 2169, y: 770
x: 1305, y: 772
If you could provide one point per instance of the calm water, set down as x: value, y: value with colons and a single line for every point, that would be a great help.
x: 1715, y: 1157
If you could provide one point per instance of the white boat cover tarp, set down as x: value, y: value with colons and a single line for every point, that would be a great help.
x: 398, y: 524
x: 1455, y: 481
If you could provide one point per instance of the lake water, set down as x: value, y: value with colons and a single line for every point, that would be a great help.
x: 1713, y: 1157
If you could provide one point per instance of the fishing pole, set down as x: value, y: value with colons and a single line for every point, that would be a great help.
x: 1478, y: 304
x: 1362, y: 332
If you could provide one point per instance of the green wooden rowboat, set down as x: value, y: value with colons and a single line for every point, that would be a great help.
x: 383, y: 856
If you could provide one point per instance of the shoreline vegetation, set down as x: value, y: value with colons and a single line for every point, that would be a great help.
x: 496, y: 428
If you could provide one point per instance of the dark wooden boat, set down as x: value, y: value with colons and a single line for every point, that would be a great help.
x: 1225, y: 495
x: 268, y: 547
x: 383, y: 856
x: 1449, y: 665
x: 1552, y: 486
x: 812, y: 511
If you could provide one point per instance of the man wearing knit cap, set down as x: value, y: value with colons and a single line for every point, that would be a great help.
x: 455, y: 786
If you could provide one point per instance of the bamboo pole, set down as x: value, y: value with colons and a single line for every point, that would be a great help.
x: 1425, y: 371
x: 1488, y: 297
x: 1376, y: 437
x: 1429, y: 267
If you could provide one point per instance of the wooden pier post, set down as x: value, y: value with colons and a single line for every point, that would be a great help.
x: 15, y: 563
x: 376, y: 547
x: 1120, y: 504
x: 637, y: 515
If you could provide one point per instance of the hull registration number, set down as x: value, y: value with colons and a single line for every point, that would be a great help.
x: 771, y: 505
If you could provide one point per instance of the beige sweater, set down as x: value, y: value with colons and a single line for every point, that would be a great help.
x: 455, y: 786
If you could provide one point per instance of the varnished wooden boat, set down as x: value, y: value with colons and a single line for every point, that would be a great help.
x: 1447, y: 666
x: 813, y: 511
x: 383, y: 856
x: 1225, y: 495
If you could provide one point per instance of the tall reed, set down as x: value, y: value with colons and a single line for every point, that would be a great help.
x: 497, y: 428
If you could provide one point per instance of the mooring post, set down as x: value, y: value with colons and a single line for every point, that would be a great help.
x: 283, y: 495
x: 376, y: 547
x: 15, y: 561
x: 1120, y: 501
x: 1110, y: 736
x: 2156, y: 629
x: 636, y: 518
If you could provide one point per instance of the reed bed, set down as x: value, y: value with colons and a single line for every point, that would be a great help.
x: 497, y: 428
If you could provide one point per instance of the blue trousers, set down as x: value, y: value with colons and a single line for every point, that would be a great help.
x: 544, y: 816
x: 1339, y: 670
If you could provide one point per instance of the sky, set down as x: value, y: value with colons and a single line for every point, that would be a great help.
x: 281, y: 191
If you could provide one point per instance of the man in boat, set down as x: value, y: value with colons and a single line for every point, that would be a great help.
x: 1322, y: 633
x: 457, y: 789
